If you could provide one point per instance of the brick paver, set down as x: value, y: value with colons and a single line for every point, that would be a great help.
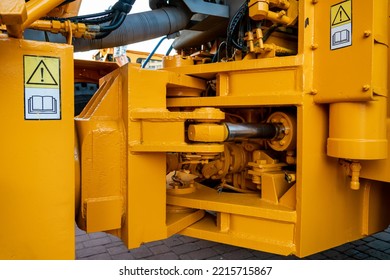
x: 103, y: 246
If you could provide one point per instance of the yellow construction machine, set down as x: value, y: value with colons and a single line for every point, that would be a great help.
x: 269, y: 129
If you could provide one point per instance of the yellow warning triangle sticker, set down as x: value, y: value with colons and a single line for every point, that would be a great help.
x: 42, y: 76
x: 341, y: 16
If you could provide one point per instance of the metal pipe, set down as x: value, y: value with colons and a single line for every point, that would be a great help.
x: 243, y: 131
x: 191, y: 38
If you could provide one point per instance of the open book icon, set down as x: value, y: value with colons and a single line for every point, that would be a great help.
x: 38, y: 104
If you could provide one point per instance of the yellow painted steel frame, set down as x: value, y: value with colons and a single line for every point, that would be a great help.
x: 122, y: 118
x: 18, y: 15
x: 326, y: 211
x: 318, y: 212
x: 37, y: 167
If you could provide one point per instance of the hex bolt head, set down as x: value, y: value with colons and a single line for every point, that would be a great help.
x: 366, y: 87
x: 367, y: 33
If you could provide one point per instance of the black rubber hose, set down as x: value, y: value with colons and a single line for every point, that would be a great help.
x: 135, y: 28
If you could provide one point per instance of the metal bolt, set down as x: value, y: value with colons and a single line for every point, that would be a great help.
x: 367, y: 33
x: 314, y: 46
x: 313, y: 92
x: 314, y: 1
x: 282, y: 142
x: 366, y: 88
x: 281, y: 13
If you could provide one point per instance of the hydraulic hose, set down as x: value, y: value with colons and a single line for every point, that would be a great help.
x: 153, y: 52
x: 140, y: 27
x: 135, y: 28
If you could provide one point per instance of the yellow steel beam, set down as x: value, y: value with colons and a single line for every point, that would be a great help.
x: 18, y: 15
x: 39, y: 8
x: 13, y: 14
x: 243, y: 204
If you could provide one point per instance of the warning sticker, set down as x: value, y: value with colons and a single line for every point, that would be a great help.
x: 341, y: 25
x: 42, y: 91
x: 41, y: 72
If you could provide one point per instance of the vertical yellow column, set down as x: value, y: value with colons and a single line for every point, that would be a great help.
x: 37, y: 143
x: 146, y: 195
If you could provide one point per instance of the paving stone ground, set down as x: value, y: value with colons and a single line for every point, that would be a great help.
x: 103, y: 246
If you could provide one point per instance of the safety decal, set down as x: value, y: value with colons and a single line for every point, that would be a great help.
x: 42, y: 90
x: 341, y: 25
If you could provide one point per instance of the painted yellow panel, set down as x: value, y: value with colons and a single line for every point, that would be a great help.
x: 37, y: 177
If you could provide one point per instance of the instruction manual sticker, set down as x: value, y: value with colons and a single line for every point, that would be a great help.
x: 341, y: 25
x: 42, y: 89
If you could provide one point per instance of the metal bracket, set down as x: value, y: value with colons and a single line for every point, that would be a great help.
x: 201, y: 7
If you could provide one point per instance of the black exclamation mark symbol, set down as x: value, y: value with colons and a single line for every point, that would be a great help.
x: 42, y: 74
x: 341, y: 16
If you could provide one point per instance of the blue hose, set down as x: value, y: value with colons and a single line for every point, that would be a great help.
x: 153, y: 51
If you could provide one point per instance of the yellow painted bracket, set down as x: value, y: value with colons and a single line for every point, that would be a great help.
x: 13, y: 14
x: 244, y: 204
x: 111, y: 128
x: 103, y: 159
x: 154, y: 121
x: 18, y: 15
x: 242, y: 220
x: 179, y: 221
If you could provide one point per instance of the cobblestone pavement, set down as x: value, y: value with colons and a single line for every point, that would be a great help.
x: 102, y: 246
